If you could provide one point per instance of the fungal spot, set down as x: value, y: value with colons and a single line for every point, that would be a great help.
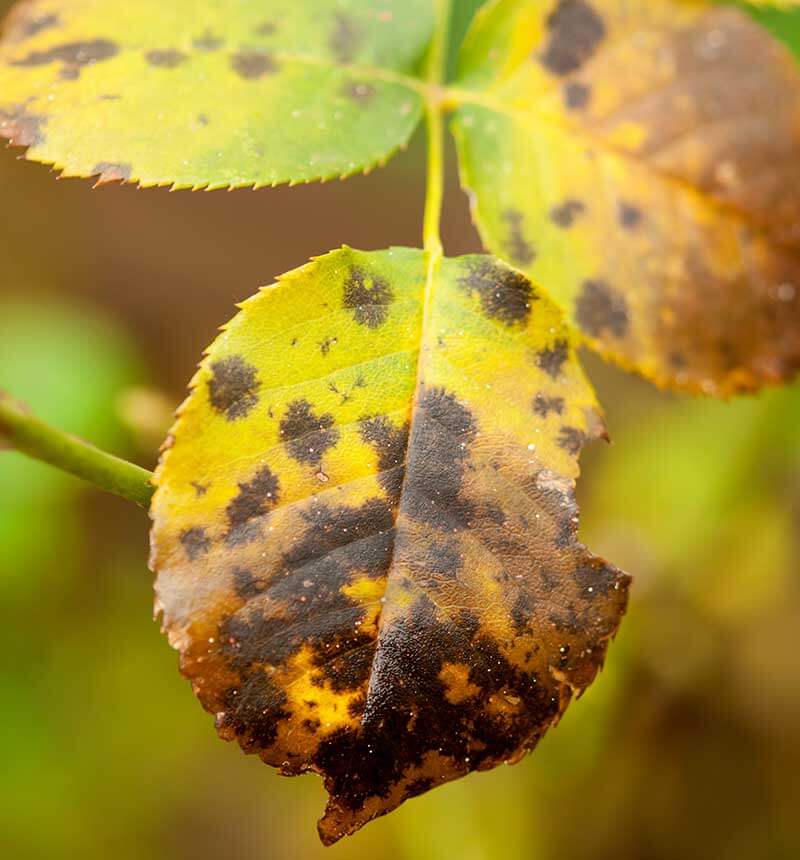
x: 441, y: 434
x: 207, y: 42
x: 74, y: 55
x: 22, y: 128
x: 601, y: 309
x: 25, y: 27
x: 596, y: 580
x: 577, y: 95
x: 325, y: 345
x: 233, y: 387
x: 551, y: 360
x: 203, y: 119
x: 168, y: 59
x: 390, y: 443
x: 195, y: 542
x: 520, y: 250
x: 368, y: 297
x: 307, y: 436
x: 543, y: 405
x: 200, y: 489
x: 253, y: 500
x: 267, y: 28
x: 253, y: 710
x: 575, y: 32
x: 246, y: 585
x: 505, y: 295
x: 359, y: 91
x: 252, y: 65
x: 565, y: 214
x: 109, y: 171
x: 571, y: 439
x: 345, y: 39
x: 629, y: 216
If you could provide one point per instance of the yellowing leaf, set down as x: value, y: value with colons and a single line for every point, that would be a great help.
x: 640, y: 159
x: 225, y: 93
x: 365, y: 529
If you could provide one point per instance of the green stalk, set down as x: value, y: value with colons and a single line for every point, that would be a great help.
x: 23, y: 431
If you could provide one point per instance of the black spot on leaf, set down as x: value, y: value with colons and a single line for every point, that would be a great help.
x: 441, y: 434
x: 551, y: 360
x: 252, y: 65
x: 25, y: 28
x: 629, y: 216
x: 246, y: 585
x: 195, y: 542
x: 519, y: 248
x: 368, y: 296
x: 565, y: 214
x: 390, y: 443
x: 253, y: 500
x: 575, y: 32
x: 233, y: 387
x: 577, y: 95
x: 167, y: 59
x: 601, y: 309
x: 207, y: 42
x: 345, y: 38
x: 253, y: 711
x: 74, y: 56
x: 505, y: 295
x: 543, y: 405
x: 571, y: 439
x: 307, y: 436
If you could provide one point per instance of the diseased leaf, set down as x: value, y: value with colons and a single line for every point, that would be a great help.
x: 628, y: 157
x: 365, y: 529
x: 229, y: 93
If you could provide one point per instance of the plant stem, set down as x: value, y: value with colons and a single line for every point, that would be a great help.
x: 33, y: 437
x: 434, y: 188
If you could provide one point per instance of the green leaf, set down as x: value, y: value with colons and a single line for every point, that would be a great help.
x: 365, y: 528
x: 625, y: 156
x: 223, y: 94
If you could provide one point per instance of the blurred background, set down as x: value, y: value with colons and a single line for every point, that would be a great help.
x: 688, y: 745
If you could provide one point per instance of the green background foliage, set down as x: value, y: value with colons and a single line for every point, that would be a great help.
x: 688, y: 746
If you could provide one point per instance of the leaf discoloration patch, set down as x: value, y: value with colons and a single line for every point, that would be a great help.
x: 391, y: 627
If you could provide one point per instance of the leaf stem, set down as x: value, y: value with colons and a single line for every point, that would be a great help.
x: 31, y: 436
x: 434, y: 187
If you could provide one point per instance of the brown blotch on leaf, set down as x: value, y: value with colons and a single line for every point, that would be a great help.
x: 565, y: 214
x: 575, y: 32
x: 307, y: 436
x: 629, y: 216
x: 266, y: 28
x: 551, y: 360
x: 109, y: 171
x: 253, y: 710
x: 345, y: 38
x: 195, y: 542
x: 246, y: 585
x: 519, y: 248
x: 252, y: 65
x: 543, y: 405
x: 167, y: 59
x: 20, y: 127
x: 368, y: 296
x: 577, y: 95
x: 254, y: 499
x: 233, y: 387
x: 505, y: 295
x: 601, y: 309
x: 74, y: 56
